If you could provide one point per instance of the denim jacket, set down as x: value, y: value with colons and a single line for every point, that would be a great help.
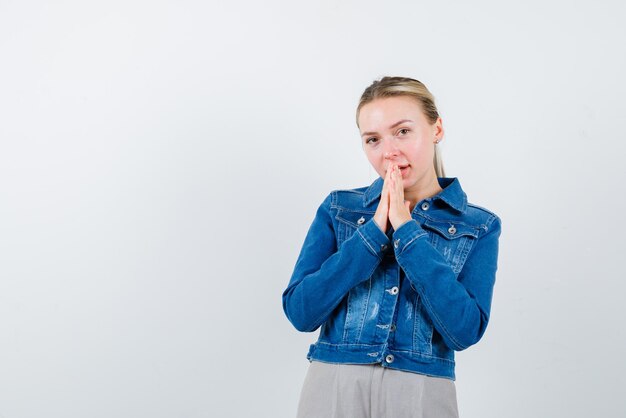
x: 406, y: 299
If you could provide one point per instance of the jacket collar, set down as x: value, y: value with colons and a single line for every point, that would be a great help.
x: 452, y: 193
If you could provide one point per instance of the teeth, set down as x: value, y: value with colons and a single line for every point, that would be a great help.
x: 401, y: 167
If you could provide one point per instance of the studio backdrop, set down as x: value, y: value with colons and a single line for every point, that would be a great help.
x: 161, y: 162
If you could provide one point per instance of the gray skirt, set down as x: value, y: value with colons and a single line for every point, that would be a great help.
x: 370, y: 390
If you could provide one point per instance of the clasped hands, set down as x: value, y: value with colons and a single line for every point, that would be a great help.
x: 392, y: 209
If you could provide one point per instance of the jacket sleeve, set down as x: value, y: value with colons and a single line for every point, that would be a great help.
x: 459, y: 307
x: 324, y: 274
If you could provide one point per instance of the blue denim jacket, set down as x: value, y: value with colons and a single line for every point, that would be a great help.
x: 406, y: 299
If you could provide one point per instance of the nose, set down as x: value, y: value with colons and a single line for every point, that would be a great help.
x: 390, y: 149
x: 390, y: 154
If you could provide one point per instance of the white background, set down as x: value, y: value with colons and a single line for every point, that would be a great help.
x: 161, y: 161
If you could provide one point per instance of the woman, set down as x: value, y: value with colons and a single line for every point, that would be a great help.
x: 398, y: 275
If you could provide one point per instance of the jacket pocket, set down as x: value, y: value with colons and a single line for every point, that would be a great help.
x: 422, y: 329
x: 414, y: 330
x: 348, y: 223
x: 358, y: 307
x: 453, y: 240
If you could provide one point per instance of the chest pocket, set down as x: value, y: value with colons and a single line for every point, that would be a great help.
x: 452, y: 240
x: 348, y: 223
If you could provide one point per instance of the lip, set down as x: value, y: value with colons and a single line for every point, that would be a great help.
x: 398, y: 164
x: 401, y: 167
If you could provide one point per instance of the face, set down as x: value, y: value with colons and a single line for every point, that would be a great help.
x: 395, y: 130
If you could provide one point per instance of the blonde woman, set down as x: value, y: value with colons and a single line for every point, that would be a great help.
x: 397, y: 275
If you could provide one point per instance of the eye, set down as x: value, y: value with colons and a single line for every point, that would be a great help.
x: 371, y: 140
x: 403, y: 131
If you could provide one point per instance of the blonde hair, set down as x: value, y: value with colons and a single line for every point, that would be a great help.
x: 404, y: 86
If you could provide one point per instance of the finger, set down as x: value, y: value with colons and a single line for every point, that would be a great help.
x: 395, y: 181
x: 396, y: 191
x: 398, y: 180
x: 385, y: 180
x: 387, y: 185
x: 387, y: 177
x: 399, y: 187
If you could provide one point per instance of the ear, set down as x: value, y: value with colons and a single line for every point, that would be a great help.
x: 438, y: 130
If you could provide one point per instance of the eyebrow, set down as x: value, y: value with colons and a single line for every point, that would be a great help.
x: 400, y: 122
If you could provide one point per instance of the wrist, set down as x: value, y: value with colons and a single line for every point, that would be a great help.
x: 383, y: 228
x: 401, y: 222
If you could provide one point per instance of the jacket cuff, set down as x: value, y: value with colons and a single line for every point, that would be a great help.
x: 374, y: 238
x: 406, y: 234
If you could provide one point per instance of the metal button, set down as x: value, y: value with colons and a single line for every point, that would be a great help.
x: 392, y: 328
x: 452, y: 230
x: 384, y: 247
x: 361, y: 220
x: 425, y: 206
x: 396, y: 243
x: 389, y: 358
x: 394, y: 290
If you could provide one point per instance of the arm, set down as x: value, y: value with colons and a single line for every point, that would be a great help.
x: 323, y: 274
x: 459, y: 308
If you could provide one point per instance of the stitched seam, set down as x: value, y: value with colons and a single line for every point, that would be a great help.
x: 368, y: 244
x: 416, y: 321
x: 489, y: 222
x: 445, y: 329
x: 348, y: 313
x: 381, y: 348
x: 345, y: 209
x: 453, y: 221
x: 414, y: 238
x: 317, y: 320
x: 369, y: 346
x: 481, y: 208
x: 461, y: 255
x: 345, y: 328
x: 475, y: 233
x: 436, y: 317
x: 367, y: 303
x: 350, y: 191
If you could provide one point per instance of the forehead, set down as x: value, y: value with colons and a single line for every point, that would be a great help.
x: 380, y: 113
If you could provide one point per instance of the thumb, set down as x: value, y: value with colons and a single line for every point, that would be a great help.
x: 407, y: 203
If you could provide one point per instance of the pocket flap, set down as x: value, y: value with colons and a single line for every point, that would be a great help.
x: 450, y: 229
x: 354, y: 219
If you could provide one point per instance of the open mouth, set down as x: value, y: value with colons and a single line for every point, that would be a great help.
x: 403, y: 169
x: 400, y: 166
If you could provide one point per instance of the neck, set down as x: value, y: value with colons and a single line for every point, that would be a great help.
x: 428, y: 188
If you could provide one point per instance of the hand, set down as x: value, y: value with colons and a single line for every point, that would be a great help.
x: 392, y: 208
x: 399, y: 209
x: 381, y: 217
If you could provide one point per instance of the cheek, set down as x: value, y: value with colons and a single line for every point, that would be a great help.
x: 375, y: 160
x: 421, y: 153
